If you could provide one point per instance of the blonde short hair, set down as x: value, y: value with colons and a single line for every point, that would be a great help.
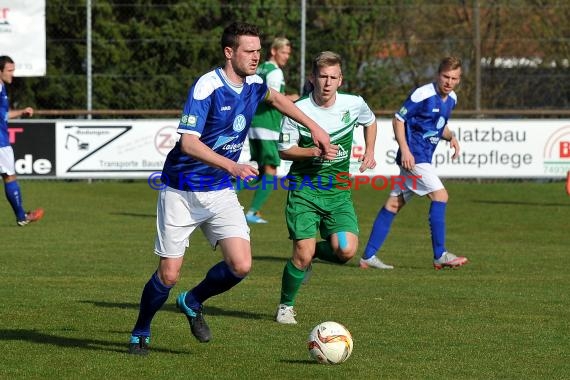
x: 449, y: 63
x: 326, y: 59
x: 279, y: 42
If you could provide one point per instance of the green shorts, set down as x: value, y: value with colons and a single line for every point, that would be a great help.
x: 264, y: 152
x: 306, y: 213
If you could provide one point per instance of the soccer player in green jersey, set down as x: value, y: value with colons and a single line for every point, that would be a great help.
x: 318, y: 198
x: 265, y: 127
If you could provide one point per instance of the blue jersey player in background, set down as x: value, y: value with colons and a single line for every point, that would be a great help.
x: 7, y: 163
x: 418, y: 127
x: 198, y: 190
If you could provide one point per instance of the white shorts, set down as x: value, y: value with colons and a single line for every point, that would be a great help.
x: 421, y: 180
x: 178, y: 213
x: 7, y: 160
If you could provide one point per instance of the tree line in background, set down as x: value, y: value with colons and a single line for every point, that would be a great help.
x: 147, y: 53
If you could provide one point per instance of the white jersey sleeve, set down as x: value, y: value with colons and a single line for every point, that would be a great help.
x: 275, y: 79
x: 289, y: 136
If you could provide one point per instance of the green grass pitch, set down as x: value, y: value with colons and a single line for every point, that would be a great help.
x: 70, y: 287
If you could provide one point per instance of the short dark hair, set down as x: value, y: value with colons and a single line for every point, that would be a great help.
x: 230, y: 37
x: 4, y: 59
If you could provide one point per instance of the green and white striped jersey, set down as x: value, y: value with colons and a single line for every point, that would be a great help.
x: 339, y: 120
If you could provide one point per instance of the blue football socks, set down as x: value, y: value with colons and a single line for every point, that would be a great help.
x: 380, y: 230
x: 154, y: 295
x: 14, y: 196
x: 437, y: 226
x: 218, y: 280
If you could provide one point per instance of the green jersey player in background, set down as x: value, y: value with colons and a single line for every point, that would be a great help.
x: 319, y: 200
x: 265, y: 127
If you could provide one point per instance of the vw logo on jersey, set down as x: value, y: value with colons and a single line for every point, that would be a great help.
x: 239, y: 123
x: 441, y: 122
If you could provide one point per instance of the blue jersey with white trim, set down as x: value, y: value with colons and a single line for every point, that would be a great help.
x: 4, y: 109
x: 425, y: 114
x: 220, y: 115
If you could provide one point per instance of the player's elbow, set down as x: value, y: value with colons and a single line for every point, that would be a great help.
x: 284, y: 155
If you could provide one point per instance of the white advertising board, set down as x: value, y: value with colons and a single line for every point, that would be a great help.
x: 113, y: 148
x: 23, y: 35
x: 491, y: 148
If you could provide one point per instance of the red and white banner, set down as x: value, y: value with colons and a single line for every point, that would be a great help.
x: 23, y: 35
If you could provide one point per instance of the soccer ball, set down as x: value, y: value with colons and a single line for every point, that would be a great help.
x: 330, y: 343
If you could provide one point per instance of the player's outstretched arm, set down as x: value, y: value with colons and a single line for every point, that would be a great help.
x: 296, y: 153
x: 288, y: 108
x: 28, y: 111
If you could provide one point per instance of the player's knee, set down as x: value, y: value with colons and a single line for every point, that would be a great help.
x: 347, y: 245
x: 439, y: 196
x: 346, y: 254
x: 301, y: 262
x: 241, y: 269
x: 394, y: 204
x: 168, y: 278
x: 392, y: 208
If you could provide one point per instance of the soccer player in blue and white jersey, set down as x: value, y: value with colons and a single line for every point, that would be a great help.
x: 198, y: 174
x: 7, y: 164
x: 418, y: 127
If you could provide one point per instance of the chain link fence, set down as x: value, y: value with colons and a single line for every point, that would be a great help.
x: 146, y: 54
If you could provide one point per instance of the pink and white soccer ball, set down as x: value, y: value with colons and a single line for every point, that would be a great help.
x: 330, y: 343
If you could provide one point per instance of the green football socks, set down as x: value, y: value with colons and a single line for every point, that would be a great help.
x: 290, y: 283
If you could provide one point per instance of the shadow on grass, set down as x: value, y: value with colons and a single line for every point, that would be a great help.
x: 304, y: 362
x: 523, y: 203
x: 270, y: 258
x: 351, y: 263
x: 134, y: 214
x: 35, y: 336
x: 208, y: 310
